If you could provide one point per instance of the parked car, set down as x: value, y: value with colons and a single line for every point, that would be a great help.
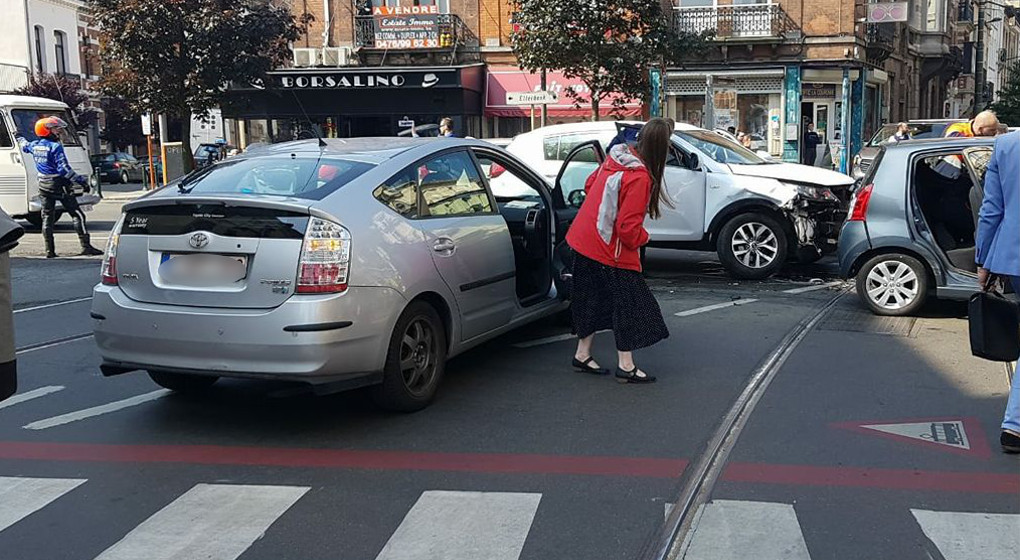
x: 19, y: 196
x: 157, y: 164
x: 753, y: 212
x: 118, y: 167
x: 919, y: 129
x: 910, y: 233
x: 368, y: 261
x: 207, y: 154
x: 10, y: 233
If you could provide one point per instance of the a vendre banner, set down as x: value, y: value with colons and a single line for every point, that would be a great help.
x: 406, y: 27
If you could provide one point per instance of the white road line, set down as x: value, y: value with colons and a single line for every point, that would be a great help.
x: 29, y: 395
x: 209, y: 521
x: 463, y: 526
x: 812, y: 288
x: 21, y: 497
x: 736, y: 530
x: 49, y: 305
x: 972, y: 536
x: 96, y: 410
x: 51, y: 344
x: 697, y: 310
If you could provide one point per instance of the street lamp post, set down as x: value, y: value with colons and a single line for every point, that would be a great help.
x: 979, y: 60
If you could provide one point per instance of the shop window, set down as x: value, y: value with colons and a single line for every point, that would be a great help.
x: 60, y: 52
x: 451, y: 186
x: 400, y: 193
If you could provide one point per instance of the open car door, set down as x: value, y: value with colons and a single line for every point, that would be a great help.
x: 977, y: 159
x: 568, y: 195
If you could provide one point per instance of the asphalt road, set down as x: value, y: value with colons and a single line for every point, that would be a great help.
x: 520, y: 457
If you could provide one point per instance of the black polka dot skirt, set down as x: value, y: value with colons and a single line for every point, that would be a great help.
x: 608, y: 298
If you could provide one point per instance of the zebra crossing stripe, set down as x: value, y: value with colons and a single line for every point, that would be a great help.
x: 29, y: 395
x: 209, y: 521
x: 736, y: 530
x: 463, y: 526
x: 971, y: 536
x: 21, y: 497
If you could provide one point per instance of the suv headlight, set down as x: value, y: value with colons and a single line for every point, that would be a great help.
x: 817, y: 193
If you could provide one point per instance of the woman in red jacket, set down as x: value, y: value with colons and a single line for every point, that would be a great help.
x: 608, y: 290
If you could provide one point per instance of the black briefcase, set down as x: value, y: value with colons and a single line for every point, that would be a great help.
x: 994, y: 327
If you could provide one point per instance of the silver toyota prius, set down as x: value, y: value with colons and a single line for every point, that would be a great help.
x: 338, y: 263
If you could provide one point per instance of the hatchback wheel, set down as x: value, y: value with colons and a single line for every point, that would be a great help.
x: 182, y: 383
x: 893, y: 284
x: 415, y: 361
x: 752, y: 246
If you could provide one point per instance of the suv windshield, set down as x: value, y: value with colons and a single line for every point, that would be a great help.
x: 917, y: 130
x: 24, y: 122
x: 719, y: 148
x: 306, y: 177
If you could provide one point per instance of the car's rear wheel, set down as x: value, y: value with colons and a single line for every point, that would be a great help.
x: 124, y: 178
x: 182, y: 383
x: 415, y: 361
x: 893, y: 284
x: 752, y: 246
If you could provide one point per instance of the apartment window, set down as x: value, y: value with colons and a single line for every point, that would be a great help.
x: 39, y: 66
x: 60, y: 51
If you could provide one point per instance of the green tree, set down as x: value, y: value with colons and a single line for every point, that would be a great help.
x: 122, y: 124
x: 177, y: 57
x: 607, y: 44
x: 1008, y: 105
x: 65, y: 89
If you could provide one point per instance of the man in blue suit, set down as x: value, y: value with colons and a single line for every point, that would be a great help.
x: 998, y: 250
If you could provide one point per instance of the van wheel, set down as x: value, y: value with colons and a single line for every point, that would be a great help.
x: 893, y: 285
x: 752, y: 246
x: 182, y: 383
x: 415, y: 361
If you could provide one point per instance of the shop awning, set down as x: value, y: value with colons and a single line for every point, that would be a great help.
x: 499, y: 81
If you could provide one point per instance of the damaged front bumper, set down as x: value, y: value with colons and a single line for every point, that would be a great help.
x: 817, y: 215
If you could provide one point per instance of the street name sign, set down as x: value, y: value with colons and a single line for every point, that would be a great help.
x: 531, y: 97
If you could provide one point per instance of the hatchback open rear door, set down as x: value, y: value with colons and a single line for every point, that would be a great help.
x: 568, y: 195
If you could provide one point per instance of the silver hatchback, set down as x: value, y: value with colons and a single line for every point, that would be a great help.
x: 352, y: 263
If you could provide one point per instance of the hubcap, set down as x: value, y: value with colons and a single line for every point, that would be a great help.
x: 418, y: 356
x: 892, y: 285
x: 755, y: 245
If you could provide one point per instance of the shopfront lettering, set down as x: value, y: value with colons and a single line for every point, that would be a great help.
x: 343, y: 81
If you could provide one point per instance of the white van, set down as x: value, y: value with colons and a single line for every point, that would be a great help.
x: 19, y: 185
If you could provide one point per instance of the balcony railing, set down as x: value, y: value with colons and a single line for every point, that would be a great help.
x: 427, y: 32
x: 880, y: 40
x: 734, y: 22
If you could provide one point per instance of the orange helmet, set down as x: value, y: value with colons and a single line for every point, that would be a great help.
x: 46, y: 125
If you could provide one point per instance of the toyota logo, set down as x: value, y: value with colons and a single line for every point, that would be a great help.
x: 199, y: 240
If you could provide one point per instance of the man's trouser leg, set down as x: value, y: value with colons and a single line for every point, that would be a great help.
x: 49, y: 204
x: 1011, y: 419
x: 70, y: 204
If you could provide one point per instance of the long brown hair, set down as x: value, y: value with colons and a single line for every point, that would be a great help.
x: 653, y: 148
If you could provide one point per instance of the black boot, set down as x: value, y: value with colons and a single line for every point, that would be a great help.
x: 48, y: 240
x: 87, y: 250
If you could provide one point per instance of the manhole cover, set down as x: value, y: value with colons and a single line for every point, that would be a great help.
x: 857, y: 320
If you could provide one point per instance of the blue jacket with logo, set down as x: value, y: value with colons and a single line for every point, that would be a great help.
x: 50, y: 159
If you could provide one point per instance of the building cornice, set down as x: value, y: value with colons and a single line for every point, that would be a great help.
x: 70, y: 4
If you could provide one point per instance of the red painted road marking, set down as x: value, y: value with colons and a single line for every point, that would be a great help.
x: 977, y: 445
x: 500, y: 463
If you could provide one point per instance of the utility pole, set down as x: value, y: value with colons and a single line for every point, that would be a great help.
x: 979, y: 59
x: 545, y: 107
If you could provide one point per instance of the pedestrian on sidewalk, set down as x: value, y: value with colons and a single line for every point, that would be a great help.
x: 55, y: 183
x: 998, y: 251
x: 609, y: 292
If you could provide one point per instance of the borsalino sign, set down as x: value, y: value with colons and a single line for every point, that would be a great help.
x: 366, y: 80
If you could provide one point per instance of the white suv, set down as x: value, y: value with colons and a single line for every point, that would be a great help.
x: 755, y: 213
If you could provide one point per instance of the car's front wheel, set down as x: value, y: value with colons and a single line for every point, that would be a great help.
x: 182, y: 383
x: 752, y: 246
x: 893, y: 284
x: 415, y: 361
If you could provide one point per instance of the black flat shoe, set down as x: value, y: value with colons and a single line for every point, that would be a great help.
x: 586, y: 367
x: 1010, y: 442
x: 633, y: 376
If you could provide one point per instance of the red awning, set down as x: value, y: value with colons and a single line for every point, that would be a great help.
x: 499, y: 81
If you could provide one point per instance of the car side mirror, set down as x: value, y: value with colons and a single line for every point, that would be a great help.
x: 576, y: 198
x: 692, y: 162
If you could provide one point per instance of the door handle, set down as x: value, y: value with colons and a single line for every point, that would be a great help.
x: 444, y: 246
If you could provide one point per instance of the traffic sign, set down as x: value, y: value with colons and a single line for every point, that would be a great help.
x: 147, y: 125
x: 961, y: 435
x: 531, y: 97
x: 405, y: 123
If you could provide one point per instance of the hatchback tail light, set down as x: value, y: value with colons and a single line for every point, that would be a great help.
x: 859, y: 204
x: 108, y: 276
x: 116, y: 166
x: 325, y: 258
x: 495, y: 170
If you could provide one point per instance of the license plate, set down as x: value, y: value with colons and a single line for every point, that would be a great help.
x: 203, y: 269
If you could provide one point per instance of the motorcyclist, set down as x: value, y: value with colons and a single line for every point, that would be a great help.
x: 55, y: 183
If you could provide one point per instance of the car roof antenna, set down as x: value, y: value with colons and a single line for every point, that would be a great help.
x: 315, y: 129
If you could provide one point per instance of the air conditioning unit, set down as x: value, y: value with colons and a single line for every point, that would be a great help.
x: 336, y: 56
x: 306, y: 58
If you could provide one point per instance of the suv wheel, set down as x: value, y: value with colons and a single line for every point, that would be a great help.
x: 415, y: 361
x: 752, y: 246
x: 893, y: 284
x: 182, y: 383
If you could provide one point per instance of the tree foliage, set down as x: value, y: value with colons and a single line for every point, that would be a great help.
x: 1008, y: 105
x: 178, y: 57
x: 607, y: 44
x: 123, y: 124
x: 65, y: 89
